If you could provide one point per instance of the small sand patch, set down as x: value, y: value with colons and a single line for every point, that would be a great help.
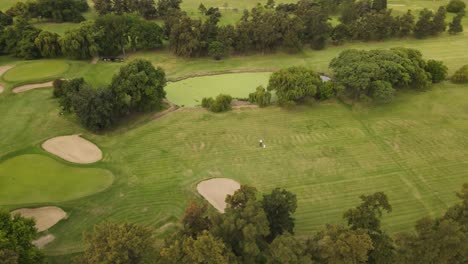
x: 45, y: 217
x: 74, y: 149
x: 28, y: 87
x: 1, y: 89
x: 5, y: 68
x: 43, y: 241
x: 215, y: 191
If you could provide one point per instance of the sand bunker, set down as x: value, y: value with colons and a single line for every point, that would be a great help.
x: 43, y: 241
x: 45, y: 217
x: 5, y: 68
x: 28, y: 87
x: 74, y: 149
x: 215, y: 191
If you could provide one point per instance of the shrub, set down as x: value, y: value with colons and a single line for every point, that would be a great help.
x: 383, y: 91
x: 456, y: 6
x: 461, y: 76
x: 437, y: 69
x: 326, y: 91
x: 58, y: 88
x: 261, y: 96
x: 222, y: 103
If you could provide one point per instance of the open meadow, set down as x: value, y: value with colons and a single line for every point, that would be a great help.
x: 414, y: 149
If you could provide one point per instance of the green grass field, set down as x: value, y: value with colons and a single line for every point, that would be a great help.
x: 413, y: 149
x: 36, y: 70
x: 38, y: 179
x: 190, y: 92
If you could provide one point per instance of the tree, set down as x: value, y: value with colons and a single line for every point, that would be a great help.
x: 48, y: 44
x: 205, y: 249
x: 139, y: 86
x: 294, y: 84
x: 437, y: 69
x: 456, y: 6
x: 243, y: 226
x: 459, y: 211
x: 456, y: 26
x: 366, y: 217
x: 117, y: 243
x: 317, y: 28
x: 382, y: 91
x: 94, y: 108
x: 425, y: 25
x: 195, y: 220
x: 81, y: 43
x: 279, y: 205
x: 336, y: 244
x: 16, y: 236
x: 406, y: 24
x: 66, y: 91
x: 379, y: 5
x: 439, y: 21
x: 202, y: 9
x: 217, y: 50
x: 164, y: 6
x: 261, y: 96
x: 5, y: 20
x: 461, y: 75
x: 19, y: 39
x: 326, y: 91
x: 221, y: 103
x: 185, y: 37
x: 286, y: 249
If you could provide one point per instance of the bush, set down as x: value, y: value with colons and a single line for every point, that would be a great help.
x: 95, y: 108
x: 261, y: 97
x: 456, y: 6
x: 461, y: 76
x: 326, y: 91
x: 58, y: 88
x: 437, y: 69
x: 222, y: 103
x: 383, y: 91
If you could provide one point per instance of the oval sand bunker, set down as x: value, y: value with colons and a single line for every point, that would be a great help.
x: 45, y: 217
x: 73, y: 148
x: 215, y: 191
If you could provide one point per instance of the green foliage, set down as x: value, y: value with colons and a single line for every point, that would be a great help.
x: 336, y: 244
x: 165, y: 7
x: 294, y: 84
x: 456, y: 26
x: 48, y: 44
x: 53, y: 10
x: 286, y: 249
x: 326, y: 90
x: 67, y: 90
x: 139, y: 87
x: 221, y: 103
x: 205, y: 249
x: 19, y: 40
x: 461, y: 75
x: 261, y: 96
x: 406, y: 22
x: 217, y: 50
x: 195, y: 220
x: 80, y: 43
x: 5, y: 20
x: 58, y: 88
x: 439, y: 21
x: 425, y: 25
x: 95, y: 108
x: 16, y: 236
x: 118, y: 243
x: 279, y: 207
x: 456, y: 6
x: 144, y: 8
x: 368, y: 73
x: 437, y: 69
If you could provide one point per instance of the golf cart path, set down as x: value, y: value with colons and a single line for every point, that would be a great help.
x: 27, y: 87
x: 4, y: 69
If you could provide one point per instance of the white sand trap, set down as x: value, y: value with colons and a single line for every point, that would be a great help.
x: 5, y: 68
x: 73, y: 148
x: 215, y: 191
x: 43, y: 240
x: 45, y: 217
x: 28, y: 87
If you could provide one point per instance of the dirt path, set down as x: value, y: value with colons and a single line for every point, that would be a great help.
x: 5, y: 68
x: 1, y: 89
x: 73, y: 148
x: 171, y: 109
x: 95, y: 60
x: 45, y: 217
x: 28, y: 87
x: 43, y: 240
x: 215, y: 191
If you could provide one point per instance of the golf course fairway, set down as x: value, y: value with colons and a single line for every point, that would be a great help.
x: 190, y: 92
x: 35, y: 178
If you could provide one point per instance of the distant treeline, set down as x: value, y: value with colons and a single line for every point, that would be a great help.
x: 264, y: 28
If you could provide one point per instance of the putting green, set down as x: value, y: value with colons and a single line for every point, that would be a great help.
x: 36, y: 70
x: 190, y: 92
x: 37, y: 179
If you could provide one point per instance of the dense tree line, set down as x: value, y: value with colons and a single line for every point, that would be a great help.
x: 260, y: 229
x: 138, y: 87
x: 109, y: 35
x: 53, y: 10
x: 377, y: 74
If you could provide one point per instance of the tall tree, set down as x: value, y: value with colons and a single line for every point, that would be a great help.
x: 117, y: 243
x: 81, y: 43
x: 279, y: 205
x: 456, y: 26
x: 195, y: 220
x: 425, y: 25
x: 16, y: 236
x: 406, y: 24
x: 286, y: 249
x: 379, y: 5
x: 48, y: 44
x: 439, y: 21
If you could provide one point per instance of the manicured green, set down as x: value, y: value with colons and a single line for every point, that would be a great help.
x: 190, y: 92
x: 37, y: 179
x: 36, y: 70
